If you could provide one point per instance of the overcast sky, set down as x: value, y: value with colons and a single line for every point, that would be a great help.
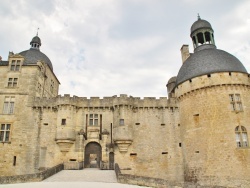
x: 111, y: 47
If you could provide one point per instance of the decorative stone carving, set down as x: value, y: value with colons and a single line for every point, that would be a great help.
x: 123, y: 145
x: 65, y: 138
x: 123, y: 137
x: 64, y: 145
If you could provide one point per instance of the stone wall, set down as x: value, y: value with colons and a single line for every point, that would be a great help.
x: 144, y: 181
x: 73, y: 165
x: 36, y: 177
x: 148, y: 140
x: 20, y: 154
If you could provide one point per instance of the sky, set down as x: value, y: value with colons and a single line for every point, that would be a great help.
x: 102, y: 48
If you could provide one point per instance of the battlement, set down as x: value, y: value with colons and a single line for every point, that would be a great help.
x: 104, y: 102
x: 211, y: 80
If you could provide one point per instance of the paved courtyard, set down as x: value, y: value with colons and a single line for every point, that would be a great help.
x: 87, y: 178
x: 86, y: 175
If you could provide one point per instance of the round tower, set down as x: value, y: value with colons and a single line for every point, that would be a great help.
x: 212, y: 89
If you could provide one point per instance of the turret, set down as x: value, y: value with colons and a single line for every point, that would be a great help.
x: 210, y: 88
x: 202, y: 34
x: 35, y: 43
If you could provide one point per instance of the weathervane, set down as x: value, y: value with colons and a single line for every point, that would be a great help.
x: 37, y: 31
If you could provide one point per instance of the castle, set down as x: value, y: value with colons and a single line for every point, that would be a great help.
x: 197, y: 134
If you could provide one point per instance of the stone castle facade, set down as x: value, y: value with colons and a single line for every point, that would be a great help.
x: 198, y: 134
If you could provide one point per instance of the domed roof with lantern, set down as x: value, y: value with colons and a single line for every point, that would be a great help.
x: 34, y: 54
x: 206, y: 59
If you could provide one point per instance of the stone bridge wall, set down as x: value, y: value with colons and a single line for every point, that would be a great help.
x: 31, y: 177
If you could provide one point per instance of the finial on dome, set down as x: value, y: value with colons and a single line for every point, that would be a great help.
x: 199, y: 16
x: 37, y: 31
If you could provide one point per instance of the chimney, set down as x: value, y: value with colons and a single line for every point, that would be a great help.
x: 184, y: 52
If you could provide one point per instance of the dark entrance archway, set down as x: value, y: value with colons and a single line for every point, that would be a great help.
x: 92, y: 155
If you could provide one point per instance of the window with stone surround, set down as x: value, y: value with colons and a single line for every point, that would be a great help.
x: 93, y: 119
x: 8, y: 107
x: 12, y: 82
x: 235, y: 102
x: 121, y: 122
x: 15, y: 65
x: 5, y: 133
x: 241, y: 136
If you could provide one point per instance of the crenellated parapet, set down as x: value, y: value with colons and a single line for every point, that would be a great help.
x: 106, y: 102
x: 223, y: 79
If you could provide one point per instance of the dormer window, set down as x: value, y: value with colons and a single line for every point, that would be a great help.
x: 15, y: 65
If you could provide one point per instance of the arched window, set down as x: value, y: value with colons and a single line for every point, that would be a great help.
x: 241, y: 136
x: 194, y: 42
x: 200, y: 39
x: 207, y: 38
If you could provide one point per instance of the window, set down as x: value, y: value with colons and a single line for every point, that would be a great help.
x: 121, y: 122
x: 15, y: 65
x: 8, y: 107
x: 241, y: 136
x: 14, y: 161
x: 93, y: 119
x: 133, y: 154
x: 235, y: 102
x: 5, y: 133
x: 63, y: 122
x: 39, y: 88
x: 207, y: 38
x: 12, y: 82
x: 52, y: 86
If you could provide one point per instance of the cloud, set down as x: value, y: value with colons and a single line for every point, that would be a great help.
x: 104, y: 48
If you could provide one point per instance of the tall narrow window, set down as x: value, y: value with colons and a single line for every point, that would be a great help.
x: 12, y: 82
x: 14, y: 161
x: 15, y: 65
x: 39, y: 88
x: 235, y: 102
x: 241, y: 136
x: 5, y: 133
x: 52, y: 86
x: 8, y: 107
x: 93, y: 119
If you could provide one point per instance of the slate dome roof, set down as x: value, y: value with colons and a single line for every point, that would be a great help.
x: 200, y: 24
x: 31, y: 56
x: 208, y: 61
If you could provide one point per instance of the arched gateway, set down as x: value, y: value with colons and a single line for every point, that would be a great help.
x: 93, y: 155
